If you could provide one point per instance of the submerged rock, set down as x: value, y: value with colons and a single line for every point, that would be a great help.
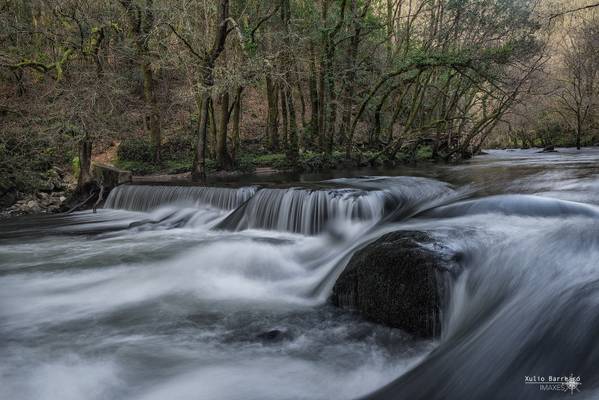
x: 399, y: 281
x: 275, y: 335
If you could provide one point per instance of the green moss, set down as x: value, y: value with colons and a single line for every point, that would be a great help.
x: 138, y: 167
x: 424, y: 153
x: 166, y: 167
x: 177, y: 166
x: 75, y: 165
x: 246, y: 164
x: 274, y: 160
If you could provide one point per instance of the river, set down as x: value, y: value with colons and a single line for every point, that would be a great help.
x: 221, y: 293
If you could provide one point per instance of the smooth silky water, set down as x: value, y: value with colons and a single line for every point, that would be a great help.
x: 221, y: 293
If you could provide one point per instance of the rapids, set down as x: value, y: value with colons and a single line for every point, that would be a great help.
x: 221, y: 293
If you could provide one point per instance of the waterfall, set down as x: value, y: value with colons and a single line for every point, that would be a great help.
x: 307, y: 211
x: 298, y: 210
x: 146, y: 198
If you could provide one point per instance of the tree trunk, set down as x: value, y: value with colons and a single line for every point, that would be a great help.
x: 314, y: 101
x: 222, y: 156
x: 578, y: 131
x: 85, y: 160
x: 152, y: 111
x: 292, y: 145
x: 287, y: 105
x: 332, y: 103
x: 322, y: 81
x: 285, y: 119
x: 198, y: 172
x: 141, y: 24
x: 236, y: 123
x: 272, y: 124
x: 350, y: 76
x: 213, y: 130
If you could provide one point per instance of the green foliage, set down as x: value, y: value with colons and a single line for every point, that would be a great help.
x: 466, y: 60
x: 27, y: 160
x: 149, y: 168
x: 312, y: 161
x: 246, y: 164
x: 138, y: 167
x: 178, y: 147
x: 181, y: 166
x: 274, y: 160
x: 135, y: 150
x: 175, y: 148
x: 75, y: 165
x: 424, y: 153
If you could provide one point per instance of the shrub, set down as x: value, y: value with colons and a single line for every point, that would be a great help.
x: 138, y: 167
x: 135, y: 150
x: 26, y: 159
x: 311, y: 161
x: 177, y: 166
x: 246, y: 164
x: 424, y: 153
x: 274, y: 160
x: 178, y: 148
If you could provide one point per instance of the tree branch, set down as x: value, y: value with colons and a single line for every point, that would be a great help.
x: 573, y: 10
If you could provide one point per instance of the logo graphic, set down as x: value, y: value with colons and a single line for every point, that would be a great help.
x: 555, y: 383
x: 572, y: 384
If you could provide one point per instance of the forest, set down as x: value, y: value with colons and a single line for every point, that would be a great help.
x: 198, y: 87
x: 299, y: 199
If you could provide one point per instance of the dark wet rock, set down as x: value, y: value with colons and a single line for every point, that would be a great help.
x: 548, y: 149
x: 8, y: 192
x: 399, y: 281
x: 8, y: 197
x: 275, y: 335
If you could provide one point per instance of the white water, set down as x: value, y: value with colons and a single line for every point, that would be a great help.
x: 166, y: 303
x: 166, y: 306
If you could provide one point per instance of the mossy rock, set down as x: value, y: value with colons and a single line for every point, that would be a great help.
x: 110, y: 176
x: 398, y: 281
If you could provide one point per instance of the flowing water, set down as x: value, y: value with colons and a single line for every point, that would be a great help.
x: 221, y: 293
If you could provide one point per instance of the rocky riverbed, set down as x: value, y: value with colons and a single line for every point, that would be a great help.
x: 37, y: 203
x: 38, y: 195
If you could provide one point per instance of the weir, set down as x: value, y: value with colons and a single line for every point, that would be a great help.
x: 308, y: 211
x: 298, y: 210
x: 148, y: 197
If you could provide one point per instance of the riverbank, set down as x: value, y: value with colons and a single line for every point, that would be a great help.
x: 45, y: 201
x: 50, y: 193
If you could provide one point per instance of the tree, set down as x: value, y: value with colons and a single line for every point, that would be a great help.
x: 141, y: 24
x: 578, y: 94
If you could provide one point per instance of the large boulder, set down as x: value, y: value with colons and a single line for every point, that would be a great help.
x: 109, y: 176
x: 399, y: 281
